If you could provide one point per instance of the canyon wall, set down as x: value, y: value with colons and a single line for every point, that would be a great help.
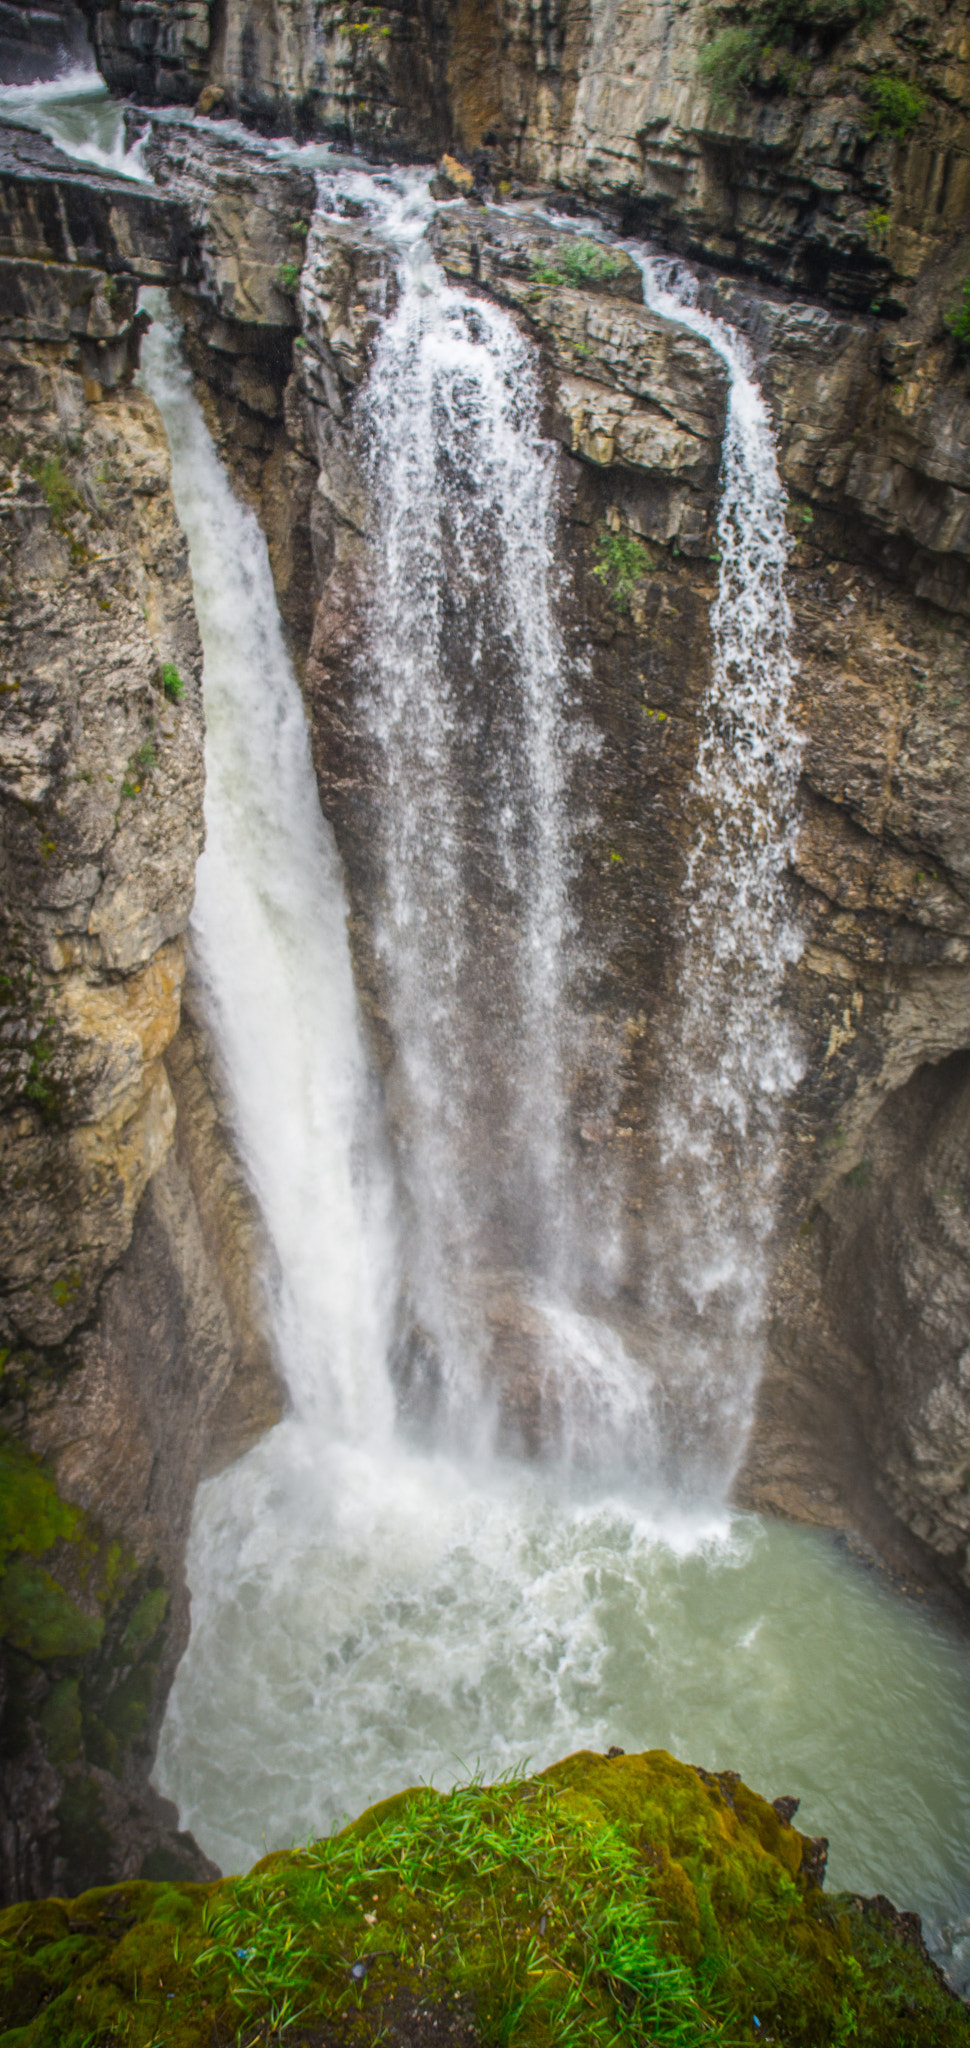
x: 130, y: 1327
x: 133, y: 1357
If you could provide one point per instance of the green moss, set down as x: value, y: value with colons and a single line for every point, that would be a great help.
x: 146, y: 1619
x: 40, y: 1618
x: 895, y: 106
x: 33, y: 1517
x: 625, y: 1901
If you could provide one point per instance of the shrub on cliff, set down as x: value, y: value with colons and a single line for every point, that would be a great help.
x: 895, y: 107
x: 767, y: 41
x: 957, y: 320
x: 618, y: 1901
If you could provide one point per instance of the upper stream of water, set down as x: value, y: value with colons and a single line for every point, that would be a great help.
x: 369, y: 1609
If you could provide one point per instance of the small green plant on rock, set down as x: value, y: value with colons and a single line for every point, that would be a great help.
x: 895, y: 107
x: 768, y: 44
x: 578, y: 261
x: 139, y: 767
x: 957, y: 320
x: 172, y: 683
x: 59, y: 491
x: 288, y: 277
x: 730, y: 62
x: 622, y: 563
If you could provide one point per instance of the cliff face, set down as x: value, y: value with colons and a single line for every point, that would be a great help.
x: 128, y: 1321
x: 779, y: 164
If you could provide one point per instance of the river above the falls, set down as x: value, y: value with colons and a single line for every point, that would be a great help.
x: 368, y: 1613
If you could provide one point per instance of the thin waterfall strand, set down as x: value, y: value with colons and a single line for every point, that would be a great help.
x: 735, y: 1059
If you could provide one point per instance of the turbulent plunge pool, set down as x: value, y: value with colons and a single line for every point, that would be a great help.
x: 367, y: 1613
x: 359, y: 1625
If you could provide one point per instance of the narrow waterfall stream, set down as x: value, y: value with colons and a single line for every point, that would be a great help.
x: 735, y: 1061
x: 373, y: 1605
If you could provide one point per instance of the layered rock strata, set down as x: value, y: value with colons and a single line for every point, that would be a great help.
x: 130, y: 1320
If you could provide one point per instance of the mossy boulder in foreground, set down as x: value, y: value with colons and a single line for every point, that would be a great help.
x: 625, y: 1899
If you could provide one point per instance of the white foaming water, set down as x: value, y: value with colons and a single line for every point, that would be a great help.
x: 270, y: 944
x: 734, y: 1059
x: 464, y: 703
x: 78, y: 113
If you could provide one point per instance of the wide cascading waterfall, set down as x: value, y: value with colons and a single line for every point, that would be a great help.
x: 733, y: 1059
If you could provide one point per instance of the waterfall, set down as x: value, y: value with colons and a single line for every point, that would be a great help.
x: 269, y: 947
x: 734, y: 1058
x: 466, y: 711
x: 473, y: 774
x: 368, y: 1612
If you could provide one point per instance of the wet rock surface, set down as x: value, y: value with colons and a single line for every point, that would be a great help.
x: 129, y: 1312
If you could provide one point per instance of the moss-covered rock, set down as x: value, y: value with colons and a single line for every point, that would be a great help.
x: 82, y: 1637
x: 606, y: 1901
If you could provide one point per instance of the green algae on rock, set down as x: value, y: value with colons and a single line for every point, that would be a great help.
x: 607, y: 1900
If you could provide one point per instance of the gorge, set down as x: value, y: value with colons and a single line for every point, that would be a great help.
x: 609, y: 1192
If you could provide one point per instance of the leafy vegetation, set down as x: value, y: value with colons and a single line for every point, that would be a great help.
x: 895, y: 107
x: 578, y: 261
x: 288, y: 277
x: 61, y: 494
x: 140, y: 766
x: 729, y: 63
x: 622, y: 562
x: 765, y: 45
x: 621, y: 1903
x: 957, y: 320
x: 172, y: 683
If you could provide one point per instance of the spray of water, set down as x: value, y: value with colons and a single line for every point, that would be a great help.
x: 734, y: 1059
x: 466, y: 707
